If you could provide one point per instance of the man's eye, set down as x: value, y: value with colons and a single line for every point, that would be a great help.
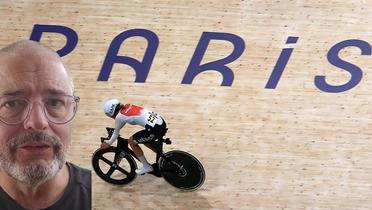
x: 15, y: 104
x: 55, y: 103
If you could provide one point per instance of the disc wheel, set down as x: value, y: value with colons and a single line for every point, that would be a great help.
x: 182, y: 170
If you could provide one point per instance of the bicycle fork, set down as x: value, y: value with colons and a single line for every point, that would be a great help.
x: 122, y: 151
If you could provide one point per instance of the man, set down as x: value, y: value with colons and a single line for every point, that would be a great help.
x: 153, y: 123
x: 36, y: 108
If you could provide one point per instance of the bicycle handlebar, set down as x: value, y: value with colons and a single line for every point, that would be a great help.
x: 110, y: 131
x: 103, y: 139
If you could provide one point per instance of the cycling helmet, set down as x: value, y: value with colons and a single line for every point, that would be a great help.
x: 110, y: 107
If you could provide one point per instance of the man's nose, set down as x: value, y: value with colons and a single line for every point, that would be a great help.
x: 36, y: 119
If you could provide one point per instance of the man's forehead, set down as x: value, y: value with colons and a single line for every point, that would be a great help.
x: 27, y: 72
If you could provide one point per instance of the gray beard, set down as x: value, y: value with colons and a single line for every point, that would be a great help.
x: 37, y: 172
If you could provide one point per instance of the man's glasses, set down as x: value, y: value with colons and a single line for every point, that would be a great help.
x: 58, y: 109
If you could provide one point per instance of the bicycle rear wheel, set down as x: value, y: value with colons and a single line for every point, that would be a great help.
x: 182, y: 170
x: 119, y: 172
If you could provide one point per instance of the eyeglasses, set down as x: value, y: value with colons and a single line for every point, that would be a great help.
x: 58, y: 109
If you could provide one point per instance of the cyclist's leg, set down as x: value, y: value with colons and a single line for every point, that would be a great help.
x: 136, y: 148
x: 159, y: 131
x: 141, y: 137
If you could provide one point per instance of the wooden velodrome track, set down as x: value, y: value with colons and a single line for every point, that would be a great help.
x: 293, y: 147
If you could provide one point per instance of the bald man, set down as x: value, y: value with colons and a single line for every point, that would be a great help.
x: 37, y: 104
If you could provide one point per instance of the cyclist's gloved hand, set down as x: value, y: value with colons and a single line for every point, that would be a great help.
x: 105, y: 145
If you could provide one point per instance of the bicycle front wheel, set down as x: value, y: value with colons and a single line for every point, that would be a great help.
x: 120, y: 171
x: 182, y: 170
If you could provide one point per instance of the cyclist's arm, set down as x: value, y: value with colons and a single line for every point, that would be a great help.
x: 119, y: 123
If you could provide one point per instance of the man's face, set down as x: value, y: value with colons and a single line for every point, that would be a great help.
x: 33, y: 151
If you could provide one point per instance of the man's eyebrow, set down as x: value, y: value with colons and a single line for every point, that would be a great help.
x: 14, y: 93
x: 53, y: 91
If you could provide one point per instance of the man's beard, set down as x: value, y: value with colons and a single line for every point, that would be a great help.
x: 36, y: 172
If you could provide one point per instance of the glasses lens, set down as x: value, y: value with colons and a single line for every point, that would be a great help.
x: 13, y: 109
x: 60, y: 109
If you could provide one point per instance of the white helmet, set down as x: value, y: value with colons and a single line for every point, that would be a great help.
x: 110, y: 106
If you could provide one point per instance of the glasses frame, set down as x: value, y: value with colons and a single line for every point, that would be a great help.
x: 76, y: 99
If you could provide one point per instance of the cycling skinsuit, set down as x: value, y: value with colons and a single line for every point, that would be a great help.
x: 153, y: 123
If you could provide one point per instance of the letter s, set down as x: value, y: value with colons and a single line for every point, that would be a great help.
x: 355, y: 71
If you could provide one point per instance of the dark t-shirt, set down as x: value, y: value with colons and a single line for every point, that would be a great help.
x: 77, y: 195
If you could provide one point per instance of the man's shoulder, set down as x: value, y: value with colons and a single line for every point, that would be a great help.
x: 78, y: 193
x: 82, y: 176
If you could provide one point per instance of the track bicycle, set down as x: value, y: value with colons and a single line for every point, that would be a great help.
x: 117, y: 165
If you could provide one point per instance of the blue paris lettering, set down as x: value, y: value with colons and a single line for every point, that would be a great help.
x: 195, y: 67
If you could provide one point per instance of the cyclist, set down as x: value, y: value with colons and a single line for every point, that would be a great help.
x: 153, y: 124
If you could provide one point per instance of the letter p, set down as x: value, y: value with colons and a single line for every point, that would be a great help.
x: 71, y: 36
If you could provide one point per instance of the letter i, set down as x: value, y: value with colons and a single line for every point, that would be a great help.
x: 280, y: 64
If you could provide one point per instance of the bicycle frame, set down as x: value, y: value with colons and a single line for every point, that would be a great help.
x: 155, y: 146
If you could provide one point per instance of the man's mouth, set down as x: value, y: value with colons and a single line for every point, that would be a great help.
x: 35, y: 147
